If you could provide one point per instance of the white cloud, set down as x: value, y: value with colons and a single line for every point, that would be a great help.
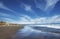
x: 46, y: 5
x: 6, y: 8
x: 24, y: 19
x: 41, y: 20
x: 26, y: 7
x: 50, y: 4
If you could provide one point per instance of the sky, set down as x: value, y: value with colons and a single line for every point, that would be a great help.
x: 30, y: 11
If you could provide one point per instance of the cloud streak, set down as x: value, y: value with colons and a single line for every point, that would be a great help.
x: 25, y: 19
x: 41, y: 20
x: 4, y: 14
x: 28, y: 8
x: 46, y: 5
x: 6, y: 8
x: 50, y: 4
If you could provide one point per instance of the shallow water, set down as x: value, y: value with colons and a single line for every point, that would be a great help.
x: 38, y: 32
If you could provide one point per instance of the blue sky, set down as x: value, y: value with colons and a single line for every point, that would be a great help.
x: 30, y: 11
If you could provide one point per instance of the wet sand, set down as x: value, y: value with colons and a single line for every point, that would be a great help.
x: 7, y: 32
